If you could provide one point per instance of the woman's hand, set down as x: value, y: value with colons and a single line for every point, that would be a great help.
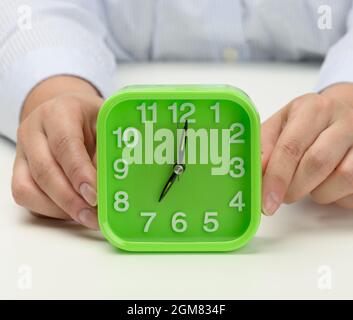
x: 54, y: 172
x: 307, y: 149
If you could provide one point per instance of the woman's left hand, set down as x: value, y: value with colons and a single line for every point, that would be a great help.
x: 307, y: 149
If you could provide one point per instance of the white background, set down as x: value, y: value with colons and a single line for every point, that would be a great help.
x: 282, y: 261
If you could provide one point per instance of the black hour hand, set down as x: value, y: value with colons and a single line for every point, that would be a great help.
x: 177, y: 170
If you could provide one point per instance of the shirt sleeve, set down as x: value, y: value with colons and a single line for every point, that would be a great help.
x: 40, y: 39
x: 338, y: 64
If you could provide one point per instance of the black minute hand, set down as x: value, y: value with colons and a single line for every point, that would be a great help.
x: 179, y: 167
x: 182, y: 145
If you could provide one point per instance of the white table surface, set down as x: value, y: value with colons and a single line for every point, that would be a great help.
x: 282, y: 261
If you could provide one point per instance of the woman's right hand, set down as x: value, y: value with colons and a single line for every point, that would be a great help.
x: 54, y: 172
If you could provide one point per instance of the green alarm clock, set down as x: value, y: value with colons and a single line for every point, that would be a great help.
x: 179, y: 168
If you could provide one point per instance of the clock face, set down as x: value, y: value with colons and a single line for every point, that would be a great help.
x: 178, y: 171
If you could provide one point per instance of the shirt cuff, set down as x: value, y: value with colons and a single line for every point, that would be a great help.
x: 38, y: 65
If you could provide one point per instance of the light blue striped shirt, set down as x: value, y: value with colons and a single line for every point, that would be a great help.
x: 88, y: 38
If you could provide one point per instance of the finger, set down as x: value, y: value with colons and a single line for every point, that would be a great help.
x: 52, y: 180
x: 67, y: 144
x: 319, y: 161
x: 303, y: 126
x: 338, y: 184
x: 270, y: 131
x: 27, y: 194
x: 346, y: 202
x: 94, y: 160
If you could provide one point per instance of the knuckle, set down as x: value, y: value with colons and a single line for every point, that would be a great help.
x: 68, y: 103
x: 46, y: 110
x: 41, y: 172
x: 321, y: 102
x: 291, y: 148
x: 62, y: 144
x: 294, y: 193
x: 76, y: 171
x: 315, y: 162
x: 317, y: 198
x: 345, y: 203
x: 346, y: 174
x: 318, y: 102
x: 276, y: 179
x: 298, y: 102
x: 295, y: 106
x: 289, y: 198
x: 348, y: 116
x: 74, y: 104
x: 58, y: 106
x: 20, y: 191
x: 71, y: 203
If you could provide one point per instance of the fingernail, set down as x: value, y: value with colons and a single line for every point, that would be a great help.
x: 89, y: 194
x: 271, y: 204
x: 88, y: 218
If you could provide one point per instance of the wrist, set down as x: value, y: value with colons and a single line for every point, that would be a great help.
x: 53, y: 87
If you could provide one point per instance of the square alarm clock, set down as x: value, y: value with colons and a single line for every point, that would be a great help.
x: 179, y: 168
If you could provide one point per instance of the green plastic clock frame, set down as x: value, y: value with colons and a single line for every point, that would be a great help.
x: 135, y: 94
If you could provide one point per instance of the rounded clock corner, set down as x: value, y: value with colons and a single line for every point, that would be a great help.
x: 241, y: 98
x: 111, y: 102
x: 249, y: 233
x: 113, y: 238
